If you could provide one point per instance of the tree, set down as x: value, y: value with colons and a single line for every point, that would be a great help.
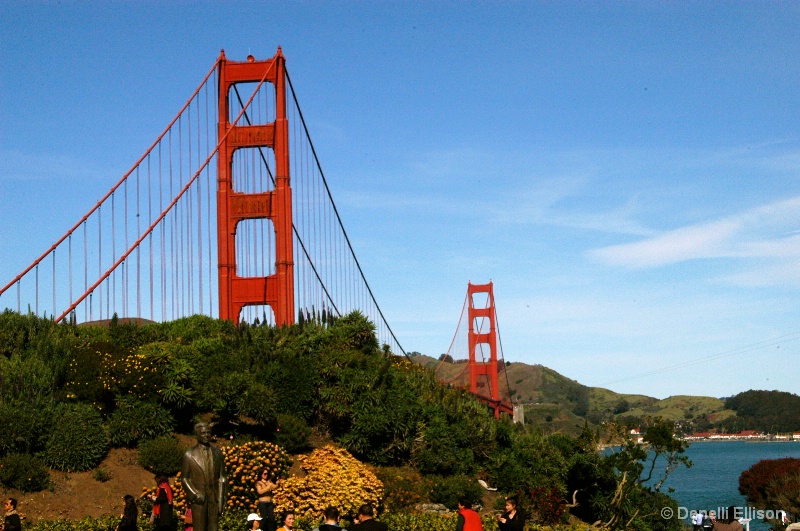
x: 772, y: 483
x: 639, y: 471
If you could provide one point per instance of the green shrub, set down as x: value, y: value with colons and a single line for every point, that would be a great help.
x: 24, y: 472
x: 292, y: 433
x: 101, y: 474
x: 24, y: 427
x: 161, y: 455
x: 84, y: 524
x: 77, y: 440
x: 25, y: 378
x: 448, y: 490
x: 134, y: 420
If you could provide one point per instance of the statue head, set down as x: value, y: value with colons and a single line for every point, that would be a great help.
x: 203, y: 432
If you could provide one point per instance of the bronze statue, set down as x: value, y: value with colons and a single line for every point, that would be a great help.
x: 204, y: 480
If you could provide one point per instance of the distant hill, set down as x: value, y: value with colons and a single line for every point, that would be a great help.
x: 558, y: 403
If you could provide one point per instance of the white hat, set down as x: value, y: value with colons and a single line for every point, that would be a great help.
x: 253, y: 516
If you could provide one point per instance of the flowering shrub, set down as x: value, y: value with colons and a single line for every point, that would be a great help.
x: 547, y: 505
x: 403, y: 488
x: 100, y: 371
x: 243, y: 462
x: 333, y: 478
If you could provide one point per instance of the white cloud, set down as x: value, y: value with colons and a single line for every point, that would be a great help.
x: 750, y: 234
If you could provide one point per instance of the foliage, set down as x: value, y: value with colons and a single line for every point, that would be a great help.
x: 767, y: 411
x: 77, y: 440
x: 24, y: 427
x: 450, y: 489
x: 292, y: 433
x: 403, y: 487
x: 531, y: 461
x: 244, y: 462
x: 161, y: 455
x: 26, y: 379
x: 135, y: 419
x: 546, y: 505
x: 772, y: 483
x: 635, y: 500
x: 24, y: 472
x: 101, y: 370
x: 333, y: 478
x: 84, y: 524
x: 101, y: 474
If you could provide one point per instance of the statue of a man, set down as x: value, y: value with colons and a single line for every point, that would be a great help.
x: 204, y: 480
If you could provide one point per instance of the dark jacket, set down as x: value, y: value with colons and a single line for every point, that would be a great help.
x: 370, y: 525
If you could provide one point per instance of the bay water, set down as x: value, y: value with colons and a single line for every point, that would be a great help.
x: 713, y: 480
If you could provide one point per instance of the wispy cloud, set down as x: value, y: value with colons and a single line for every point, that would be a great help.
x: 756, y: 233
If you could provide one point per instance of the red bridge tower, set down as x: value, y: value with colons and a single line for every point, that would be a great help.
x: 276, y: 290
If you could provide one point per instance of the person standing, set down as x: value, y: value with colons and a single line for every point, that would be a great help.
x: 130, y: 513
x: 11, y: 522
x: 512, y: 519
x: 697, y: 521
x: 266, y: 508
x: 468, y: 520
x: 366, y: 520
x: 164, y: 519
x: 204, y: 480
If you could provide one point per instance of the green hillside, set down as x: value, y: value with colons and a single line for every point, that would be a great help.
x: 559, y: 403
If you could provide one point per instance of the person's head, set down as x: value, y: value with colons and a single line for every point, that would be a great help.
x: 253, y: 521
x: 464, y: 503
x: 161, y: 479
x: 511, y: 504
x: 130, y: 505
x: 331, y: 515
x: 729, y: 515
x: 264, y: 474
x: 11, y: 504
x: 203, y: 432
x: 365, y: 512
x: 288, y: 520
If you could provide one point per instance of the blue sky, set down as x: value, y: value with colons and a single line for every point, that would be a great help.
x: 626, y: 173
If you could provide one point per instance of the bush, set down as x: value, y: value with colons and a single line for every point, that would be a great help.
x: 292, y: 433
x: 244, y: 463
x: 24, y: 427
x: 134, y: 420
x: 403, y: 488
x: 78, y: 440
x: 448, y: 490
x: 333, y: 478
x: 101, y: 474
x: 161, y: 455
x: 24, y: 472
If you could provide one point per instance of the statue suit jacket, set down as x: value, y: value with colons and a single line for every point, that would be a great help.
x: 193, y: 476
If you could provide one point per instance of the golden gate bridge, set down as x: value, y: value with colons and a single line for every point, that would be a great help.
x: 228, y: 214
